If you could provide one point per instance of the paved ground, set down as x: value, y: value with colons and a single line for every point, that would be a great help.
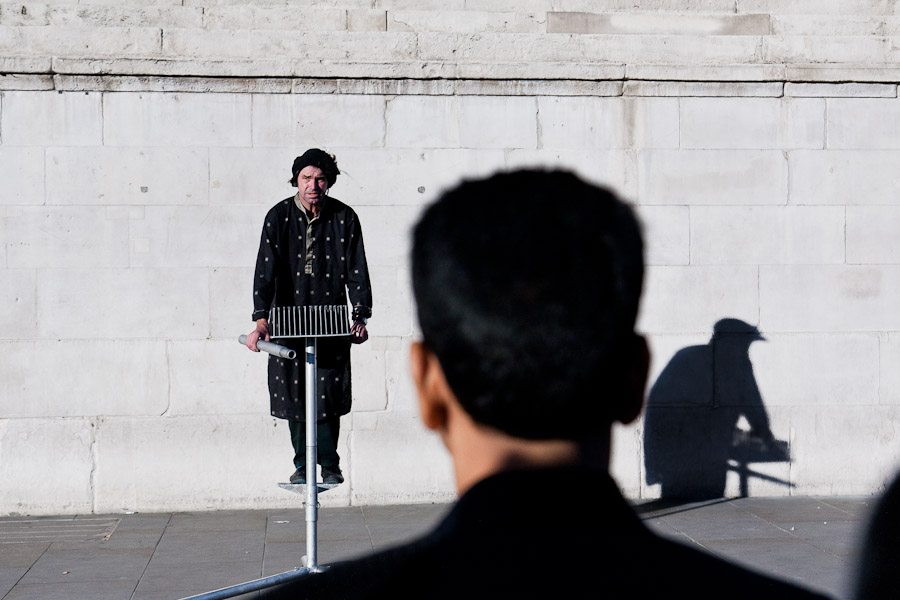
x: 170, y: 556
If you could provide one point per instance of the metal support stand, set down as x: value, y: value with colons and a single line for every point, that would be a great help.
x: 312, y: 455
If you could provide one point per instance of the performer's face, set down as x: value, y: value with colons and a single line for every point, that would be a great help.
x: 312, y: 186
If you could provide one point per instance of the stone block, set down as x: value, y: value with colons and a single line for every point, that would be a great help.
x: 228, y: 17
x: 230, y: 302
x: 822, y: 369
x: 889, y: 354
x: 611, y: 168
x: 652, y: 122
x: 872, y: 235
x: 767, y: 235
x: 546, y: 69
x: 581, y: 123
x: 215, y: 377
x: 497, y: 122
x: 13, y: 81
x: 808, y: 298
x: 844, y: 177
x: 649, y: 23
x: 256, y: 176
x: 197, y: 236
x: 60, y: 237
x: 422, y: 122
x: 865, y: 123
x: 559, y: 87
x: 840, y: 90
x: 401, y: 391
x: 387, y: 234
x: 90, y: 379
x: 626, y: 457
x: 178, y: 67
x: 704, y: 295
x: 505, y: 47
x: 369, y: 374
x: 454, y: 5
x: 22, y: 173
x: 848, y: 24
x: 703, y: 88
x: 827, y: 457
x: 148, y: 83
x: 667, y: 233
x: 127, y: 176
x: 130, y: 303
x: 825, y: 49
x: 24, y: 14
x: 318, y: 121
x: 376, y: 87
x: 47, y: 466
x: 396, y: 460
x: 840, y: 73
x: 51, y: 119
x: 18, y: 296
x: 366, y: 20
x: 415, y: 176
x: 80, y: 41
x: 670, y: 49
x: 131, y: 119
x: 712, y: 177
x: 25, y: 64
x: 392, y: 293
x: 189, y: 455
x: 465, y: 21
x: 309, y: 18
x: 98, y: 15
x: 736, y: 72
x: 818, y: 7
x: 708, y: 123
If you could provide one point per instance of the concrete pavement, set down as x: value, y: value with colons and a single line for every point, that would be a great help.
x: 809, y: 540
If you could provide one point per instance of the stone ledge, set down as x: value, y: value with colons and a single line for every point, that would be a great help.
x: 840, y: 90
x: 704, y: 88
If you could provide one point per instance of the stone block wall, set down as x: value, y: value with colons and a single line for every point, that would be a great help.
x: 142, y: 142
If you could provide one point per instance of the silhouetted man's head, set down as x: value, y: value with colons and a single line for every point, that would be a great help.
x: 527, y: 286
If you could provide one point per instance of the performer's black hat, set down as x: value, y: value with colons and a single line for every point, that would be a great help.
x: 316, y: 158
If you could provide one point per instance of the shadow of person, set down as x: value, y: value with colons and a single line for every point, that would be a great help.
x: 691, y: 425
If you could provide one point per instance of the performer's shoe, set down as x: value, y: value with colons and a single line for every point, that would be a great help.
x: 299, y: 476
x: 332, y: 475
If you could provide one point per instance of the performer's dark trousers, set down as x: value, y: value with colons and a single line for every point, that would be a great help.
x: 327, y: 432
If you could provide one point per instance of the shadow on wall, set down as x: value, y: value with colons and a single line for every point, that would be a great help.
x: 693, y: 431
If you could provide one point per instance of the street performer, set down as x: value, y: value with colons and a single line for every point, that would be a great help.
x: 311, y: 253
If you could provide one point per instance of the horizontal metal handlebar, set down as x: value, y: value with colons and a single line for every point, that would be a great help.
x: 252, y: 586
x: 273, y: 349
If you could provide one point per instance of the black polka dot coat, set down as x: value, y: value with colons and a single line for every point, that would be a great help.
x: 306, y: 261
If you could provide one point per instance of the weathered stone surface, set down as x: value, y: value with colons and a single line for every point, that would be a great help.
x: 731, y: 72
x: 22, y: 173
x: 257, y: 177
x: 468, y: 21
x: 649, y: 23
x: 131, y: 119
x: 840, y: 90
x: 821, y: 369
x: 864, y: 123
x: 872, y: 235
x: 127, y: 176
x: 231, y: 299
x: 652, y: 122
x: 401, y: 391
x: 705, y: 295
x: 46, y: 119
x: 841, y: 73
x: 254, y: 449
x: 392, y: 293
x: 503, y: 87
x: 802, y: 298
x: 24, y: 64
x: 89, y: 379
x: 366, y: 20
x: 196, y: 236
x: 547, y: 69
x: 369, y: 375
x: 47, y: 466
x: 612, y: 168
x: 80, y: 41
x: 667, y: 231
x: 816, y: 24
x: 99, y: 15
x: 497, y: 122
x: 818, y: 49
x: 18, y: 295
x: 889, y: 353
x: 278, y: 67
x: 767, y: 235
x: 702, y: 88
x: 233, y: 381
x: 825, y: 454
x: 752, y: 123
x: 383, y: 465
x: 581, y: 123
x: 821, y: 7
x: 390, y: 245
x: 844, y: 177
x: 25, y: 82
x: 130, y: 303
x: 710, y: 177
x: 626, y: 457
x: 319, y: 121
x: 427, y: 122
x: 65, y: 237
x: 131, y: 83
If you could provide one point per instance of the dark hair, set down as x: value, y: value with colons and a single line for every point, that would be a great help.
x: 315, y: 158
x: 527, y: 285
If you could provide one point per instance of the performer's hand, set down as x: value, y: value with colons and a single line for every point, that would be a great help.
x: 358, y: 333
x: 260, y: 333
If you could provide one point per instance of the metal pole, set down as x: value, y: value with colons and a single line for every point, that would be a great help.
x: 251, y: 586
x: 312, y: 491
